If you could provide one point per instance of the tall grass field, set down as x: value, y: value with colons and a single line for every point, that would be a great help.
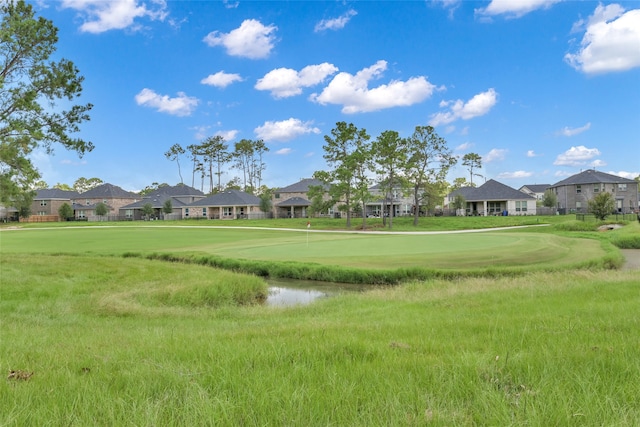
x: 104, y: 326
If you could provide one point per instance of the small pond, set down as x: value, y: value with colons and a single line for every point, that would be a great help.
x: 284, y: 292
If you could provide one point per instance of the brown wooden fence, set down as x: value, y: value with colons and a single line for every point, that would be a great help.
x: 41, y: 218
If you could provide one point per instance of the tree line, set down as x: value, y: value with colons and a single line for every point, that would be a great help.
x: 209, y: 158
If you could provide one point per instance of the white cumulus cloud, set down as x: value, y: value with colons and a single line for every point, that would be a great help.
x: 182, y: 105
x: 355, y: 96
x: 514, y: 8
x: 611, y: 41
x: 494, y: 155
x: 228, y: 135
x: 567, y: 131
x: 100, y: 16
x: 285, y: 82
x: 576, y: 156
x: 335, y: 23
x: 531, y: 153
x: 464, y: 146
x: 221, y: 79
x: 477, y: 106
x: 283, y: 151
x: 625, y: 174
x: 515, y: 175
x: 251, y: 40
x: 284, y: 130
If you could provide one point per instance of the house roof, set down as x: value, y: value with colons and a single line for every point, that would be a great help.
x: 176, y: 191
x: 492, y: 190
x: 591, y: 176
x: 157, y: 201
x: 536, y: 188
x: 294, y: 201
x: 54, y: 193
x: 301, y: 186
x: 158, y: 197
x: 228, y: 198
x: 108, y: 191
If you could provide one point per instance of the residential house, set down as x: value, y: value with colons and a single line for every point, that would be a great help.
x: 574, y: 193
x: 495, y: 198
x: 47, y: 202
x: 229, y: 204
x: 179, y: 196
x: 535, y: 190
x: 396, y: 203
x: 293, y: 202
x: 112, y: 196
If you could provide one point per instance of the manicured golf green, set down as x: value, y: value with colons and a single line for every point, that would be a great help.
x: 364, y: 250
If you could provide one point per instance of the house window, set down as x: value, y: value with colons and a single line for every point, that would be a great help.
x: 578, y: 205
x: 87, y: 202
x: 277, y: 196
x: 81, y: 214
x: 41, y: 213
x: 622, y: 187
x: 128, y: 213
x: 493, y: 207
x: 597, y: 188
x: 578, y: 189
x: 227, y: 211
x: 521, y: 206
x: 186, y: 211
x: 43, y: 203
x: 204, y: 211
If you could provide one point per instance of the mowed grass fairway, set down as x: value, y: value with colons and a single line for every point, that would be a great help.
x: 362, y: 250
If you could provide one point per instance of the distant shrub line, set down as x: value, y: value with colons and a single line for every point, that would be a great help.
x: 339, y: 274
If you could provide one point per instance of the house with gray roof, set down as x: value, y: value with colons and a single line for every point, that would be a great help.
x: 535, y: 190
x: 574, y: 192
x: 177, y: 196
x: 292, y: 201
x: 48, y: 201
x: 111, y: 195
x: 495, y: 198
x: 228, y: 204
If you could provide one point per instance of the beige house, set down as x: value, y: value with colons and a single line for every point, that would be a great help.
x: 494, y: 198
x: 293, y: 201
x: 229, y: 204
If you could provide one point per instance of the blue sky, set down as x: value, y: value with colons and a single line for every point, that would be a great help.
x: 541, y: 89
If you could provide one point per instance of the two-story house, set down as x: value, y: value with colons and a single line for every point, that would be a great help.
x: 574, y: 193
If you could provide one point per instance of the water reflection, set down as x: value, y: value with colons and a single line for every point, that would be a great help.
x: 302, y: 292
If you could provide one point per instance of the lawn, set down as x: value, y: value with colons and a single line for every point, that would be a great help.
x: 113, y: 340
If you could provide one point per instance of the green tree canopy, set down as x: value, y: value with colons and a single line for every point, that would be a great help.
x: 602, y: 205
x: 147, y: 209
x: 65, y: 211
x: 549, y: 199
x: 174, y: 153
x: 389, y: 153
x: 429, y: 159
x: 472, y: 161
x: 343, y: 152
x: 101, y: 209
x: 32, y: 89
x: 83, y: 184
x: 167, y: 207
